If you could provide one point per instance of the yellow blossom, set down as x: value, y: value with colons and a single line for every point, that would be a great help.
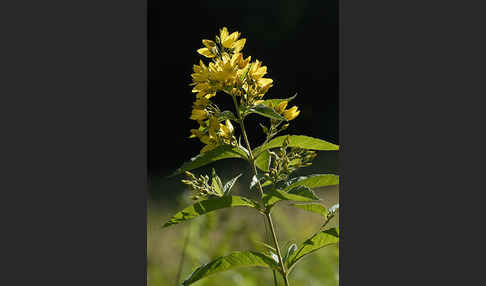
x: 209, y: 44
x: 238, y: 45
x: 226, y: 130
x: 265, y: 83
x: 206, y: 52
x: 291, y: 113
x: 229, y: 40
x: 199, y: 114
x: 281, y: 107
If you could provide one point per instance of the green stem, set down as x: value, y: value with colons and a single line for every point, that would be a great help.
x: 255, y: 172
x: 181, y: 263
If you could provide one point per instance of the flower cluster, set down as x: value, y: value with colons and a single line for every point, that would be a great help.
x: 200, y: 186
x: 287, y: 160
x: 231, y: 73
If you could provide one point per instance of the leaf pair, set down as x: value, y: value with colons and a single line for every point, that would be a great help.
x: 257, y: 259
x: 218, y: 185
x: 299, y: 141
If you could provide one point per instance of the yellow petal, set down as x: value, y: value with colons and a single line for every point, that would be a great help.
x: 236, y: 59
x: 265, y: 83
x: 238, y: 45
x: 206, y: 52
x: 291, y: 113
x: 198, y: 114
x: 223, y: 34
x: 229, y: 126
x: 281, y: 107
x: 228, y: 42
x: 209, y: 44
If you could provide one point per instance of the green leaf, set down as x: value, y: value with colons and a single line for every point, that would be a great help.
x: 298, y: 194
x: 234, y: 260
x: 317, y: 241
x: 266, y: 111
x: 314, y: 181
x: 263, y: 161
x: 209, y: 205
x: 255, y: 179
x: 220, y: 152
x: 300, y: 141
x: 229, y: 185
x: 216, y: 183
x: 313, y: 207
x: 277, y: 101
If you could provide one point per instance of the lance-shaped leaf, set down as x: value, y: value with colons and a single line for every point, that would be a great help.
x: 209, y: 205
x: 317, y: 241
x: 229, y: 185
x: 266, y: 111
x: 277, y: 101
x: 263, y: 161
x: 229, y: 262
x: 300, y: 141
x: 298, y: 194
x: 313, y: 207
x: 221, y: 152
x: 216, y: 183
x: 314, y: 181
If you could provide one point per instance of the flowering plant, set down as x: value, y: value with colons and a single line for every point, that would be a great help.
x: 229, y: 73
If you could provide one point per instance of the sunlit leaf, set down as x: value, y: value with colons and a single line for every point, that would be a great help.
x: 229, y: 262
x: 277, y: 101
x: 314, y: 181
x: 313, y: 207
x: 298, y: 194
x: 317, y: 241
x: 221, y: 152
x: 216, y: 182
x: 263, y: 161
x: 209, y: 205
x: 229, y: 185
x: 300, y: 141
x: 266, y: 111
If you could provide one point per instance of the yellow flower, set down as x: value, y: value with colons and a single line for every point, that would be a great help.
x: 281, y: 107
x: 291, y: 113
x: 265, y: 84
x: 199, y: 114
x: 209, y: 44
x: 229, y: 40
x: 226, y: 130
x: 242, y: 64
x: 213, y: 127
x: 238, y: 45
x: 206, y: 52
x: 201, y: 103
x: 223, y: 34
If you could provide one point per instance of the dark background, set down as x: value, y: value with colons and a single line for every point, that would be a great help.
x: 296, y: 40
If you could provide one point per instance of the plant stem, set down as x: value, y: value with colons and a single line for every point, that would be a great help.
x: 272, y: 228
x: 255, y: 172
x: 181, y: 263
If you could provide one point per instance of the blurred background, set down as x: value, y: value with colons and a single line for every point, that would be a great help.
x: 298, y: 42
